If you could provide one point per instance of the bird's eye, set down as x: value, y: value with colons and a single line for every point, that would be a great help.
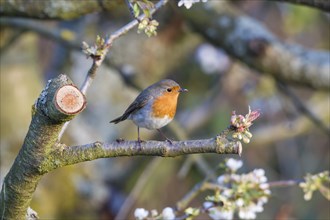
x: 169, y: 90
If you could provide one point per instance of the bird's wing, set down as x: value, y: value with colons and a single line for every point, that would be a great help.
x: 138, y: 103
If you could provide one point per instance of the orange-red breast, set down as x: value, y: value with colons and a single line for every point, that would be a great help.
x: 155, y: 107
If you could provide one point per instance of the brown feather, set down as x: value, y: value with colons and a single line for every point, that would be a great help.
x: 138, y: 103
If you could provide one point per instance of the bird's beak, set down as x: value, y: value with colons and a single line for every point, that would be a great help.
x: 183, y: 90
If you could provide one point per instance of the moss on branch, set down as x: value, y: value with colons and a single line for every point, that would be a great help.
x: 67, y: 155
x: 24, y: 175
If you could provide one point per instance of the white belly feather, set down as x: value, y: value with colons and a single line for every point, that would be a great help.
x: 144, y: 119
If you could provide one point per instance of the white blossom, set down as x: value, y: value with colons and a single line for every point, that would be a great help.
x: 239, y: 202
x: 263, y: 199
x: 220, y: 214
x: 235, y: 177
x: 227, y: 193
x: 256, y: 207
x: 154, y: 212
x: 264, y: 186
x: 259, y: 172
x: 141, y: 213
x: 168, y: 213
x: 188, y: 3
x: 221, y: 179
x: 267, y: 192
x: 207, y: 204
x: 246, y: 214
x: 263, y: 179
x: 217, y: 212
x: 31, y: 214
x: 211, y: 59
x: 234, y: 164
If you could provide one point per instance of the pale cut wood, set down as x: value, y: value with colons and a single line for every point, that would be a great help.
x: 69, y: 100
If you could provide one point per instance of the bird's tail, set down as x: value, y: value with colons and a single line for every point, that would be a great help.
x: 119, y: 119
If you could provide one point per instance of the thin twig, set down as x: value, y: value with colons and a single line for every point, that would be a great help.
x: 131, y: 10
x: 284, y: 183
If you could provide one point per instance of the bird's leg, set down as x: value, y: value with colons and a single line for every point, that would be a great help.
x: 139, y: 139
x: 167, y: 139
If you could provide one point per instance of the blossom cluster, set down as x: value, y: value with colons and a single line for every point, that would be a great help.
x: 241, y: 124
x: 167, y: 214
x: 148, y: 26
x: 98, y: 50
x: 315, y: 182
x: 245, y: 193
x: 189, y: 3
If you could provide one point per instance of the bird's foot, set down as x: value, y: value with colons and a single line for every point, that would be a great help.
x: 139, y: 141
x: 169, y: 141
x: 120, y: 140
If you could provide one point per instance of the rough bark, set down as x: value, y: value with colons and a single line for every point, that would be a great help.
x: 55, y: 9
x: 24, y: 175
x: 64, y: 155
x: 71, y: 9
x: 249, y: 41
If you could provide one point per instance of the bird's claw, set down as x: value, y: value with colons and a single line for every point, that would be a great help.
x: 169, y: 141
x: 139, y: 141
x: 120, y: 140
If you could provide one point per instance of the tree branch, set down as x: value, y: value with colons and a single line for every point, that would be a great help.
x: 64, y: 155
x: 54, y: 9
x: 247, y: 40
x: 323, y: 5
x: 60, y: 101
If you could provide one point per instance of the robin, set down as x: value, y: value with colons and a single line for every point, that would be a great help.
x: 154, y: 108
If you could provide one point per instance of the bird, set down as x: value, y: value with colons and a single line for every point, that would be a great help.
x: 154, y: 107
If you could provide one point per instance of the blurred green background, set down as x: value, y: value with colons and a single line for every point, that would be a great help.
x: 217, y: 85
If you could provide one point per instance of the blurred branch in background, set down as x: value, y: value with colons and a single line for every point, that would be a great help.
x: 53, y: 9
x: 138, y: 187
x: 249, y: 41
x: 323, y: 5
x: 63, y: 36
x: 71, y: 9
x: 301, y: 107
x: 12, y: 39
x: 289, y: 129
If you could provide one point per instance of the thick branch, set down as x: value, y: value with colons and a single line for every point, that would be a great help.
x: 247, y: 40
x: 54, y: 9
x: 57, y: 103
x: 323, y: 5
x: 43, y: 30
x: 76, y: 154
